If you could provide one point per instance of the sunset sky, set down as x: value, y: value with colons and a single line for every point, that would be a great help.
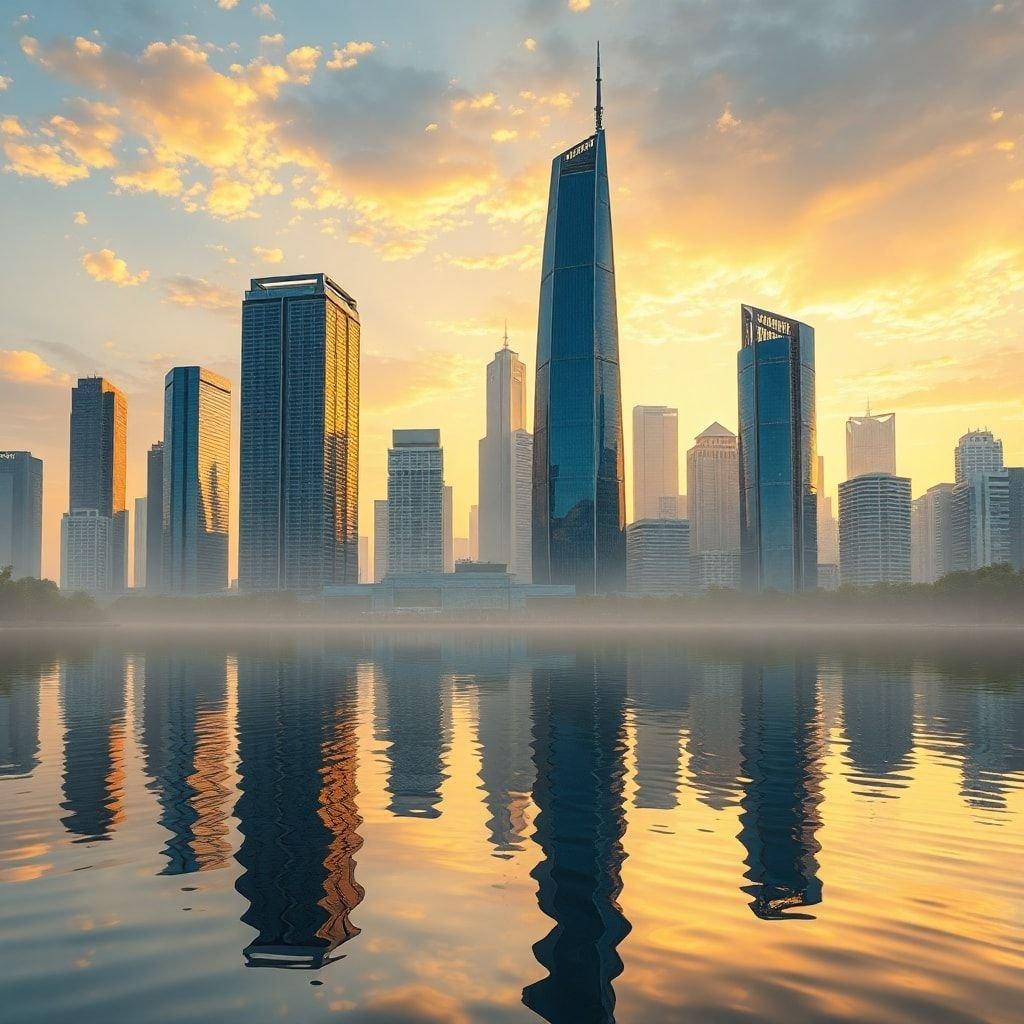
x: 855, y: 164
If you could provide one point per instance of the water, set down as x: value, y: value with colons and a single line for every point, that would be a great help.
x: 482, y: 827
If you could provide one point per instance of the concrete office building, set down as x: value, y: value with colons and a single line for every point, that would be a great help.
x: 655, y: 462
x: 874, y: 530
x: 981, y: 520
x: 658, y: 561
x: 86, y: 540
x: 931, y: 534
x: 415, y: 502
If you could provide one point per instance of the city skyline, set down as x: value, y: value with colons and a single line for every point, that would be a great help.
x: 690, y: 243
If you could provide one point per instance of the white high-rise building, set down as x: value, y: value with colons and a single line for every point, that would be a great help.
x: 658, y: 561
x: 380, y: 539
x: 86, y: 543
x: 713, y: 491
x: 655, y: 462
x: 931, y: 534
x: 365, y: 570
x: 415, y: 502
x: 874, y: 529
x: 828, y: 525
x: 981, y: 520
x: 870, y: 445
x: 448, y: 529
x: 141, y: 519
x: 506, y: 491
x: 978, y: 451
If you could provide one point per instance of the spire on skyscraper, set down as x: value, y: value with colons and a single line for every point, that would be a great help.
x: 505, y: 345
x: 599, y: 109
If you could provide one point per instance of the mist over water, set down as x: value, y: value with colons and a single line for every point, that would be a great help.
x: 446, y: 825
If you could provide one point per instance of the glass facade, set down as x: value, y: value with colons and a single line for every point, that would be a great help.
x: 21, y: 513
x: 299, y: 487
x: 196, y: 486
x: 99, y: 430
x: 578, y: 474
x: 777, y: 453
x: 155, y: 522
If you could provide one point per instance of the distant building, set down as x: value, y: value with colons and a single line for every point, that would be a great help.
x: 981, y: 521
x: 978, y: 451
x: 415, y: 502
x: 365, y: 569
x: 506, y: 467
x: 719, y: 569
x: 473, y: 585
x: 98, y: 454
x: 1016, y: 482
x: 21, y: 513
x: 448, y: 528
x: 460, y: 547
x: 828, y: 524
x: 139, y: 566
x: 870, y: 444
x: 380, y: 539
x: 298, y: 522
x: 86, y: 539
x: 197, y: 484
x: 874, y: 530
x: 931, y: 534
x: 828, y: 576
x: 655, y: 462
x: 155, y: 522
x: 658, y: 559
x: 777, y: 456
x: 713, y: 491
x: 474, y: 532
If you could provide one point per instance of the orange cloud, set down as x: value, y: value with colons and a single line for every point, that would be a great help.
x: 268, y: 255
x: 42, y: 161
x: 198, y: 293
x: 347, y: 56
x: 21, y: 366
x: 150, y: 176
x: 105, y: 265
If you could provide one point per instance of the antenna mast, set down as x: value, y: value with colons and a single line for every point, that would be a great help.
x: 599, y: 108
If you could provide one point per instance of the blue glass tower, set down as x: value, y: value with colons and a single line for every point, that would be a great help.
x: 578, y: 476
x: 777, y: 453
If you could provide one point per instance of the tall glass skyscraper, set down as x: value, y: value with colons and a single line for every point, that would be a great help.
x: 99, y: 429
x: 196, y: 490
x: 578, y: 475
x: 777, y: 453
x: 299, y: 488
x: 21, y: 513
x: 155, y: 517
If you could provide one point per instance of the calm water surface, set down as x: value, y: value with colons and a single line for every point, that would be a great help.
x: 492, y: 828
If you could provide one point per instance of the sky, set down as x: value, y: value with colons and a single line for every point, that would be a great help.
x: 854, y: 164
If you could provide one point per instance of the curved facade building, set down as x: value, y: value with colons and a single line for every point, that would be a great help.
x: 578, y: 476
x: 777, y: 453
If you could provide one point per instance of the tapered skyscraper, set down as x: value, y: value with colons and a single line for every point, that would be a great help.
x: 578, y: 478
x: 298, y: 524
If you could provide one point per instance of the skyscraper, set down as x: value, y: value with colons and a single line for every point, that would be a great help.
x: 658, y: 561
x: 870, y: 444
x: 505, y: 495
x: 86, y: 539
x: 777, y: 452
x: 1016, y: 487
x: 365, y: 569
x: 655, y: 462
x: 155, y: 522
x: 713, y: 490
x: 299, y: 488
x: 139, y: 565
x: 828, y: 525
x: 874, y: 529
x: 99, y: 428
x: 196, y: 491
x: 578, y: 475
x: 380, y: 539
x: 415, y: 502
x: 474, y: 529
x: 978, y: 451
x: 448, y: 529
x: 931, y: 534
x: 21, y: 513
x: 981, y: 520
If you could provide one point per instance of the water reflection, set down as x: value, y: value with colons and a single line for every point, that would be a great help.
x: 553, y: 763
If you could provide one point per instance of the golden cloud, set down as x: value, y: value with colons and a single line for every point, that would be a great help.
x: 42, y: 161
x: 525, y: 256
x: 198, y: 293
x: 21, y: 366
x: 268, y: 255
x: 90, y: 134
x: 105, y: 265
x: 347, y: 56
x: 150, y: 176
x: 12, y: 126
x: 80, y: 218
x: 504, y: 134
x: 301, y: 63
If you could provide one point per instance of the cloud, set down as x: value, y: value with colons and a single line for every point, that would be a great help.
x: 268, y: 255
x: 529, y: 44
x: 347, y: 56
x: 484, y: 101
x: 90, y: 133
x: 42, y: 161
x: 198, y: 293
x: 525, y: 256
x: 150, y: 176
x: 227, y: 5
x: 301, y: 63
x: 105, y: 265
x: 277, y: 39
x: 80, y: 218
x: 727, y: 121
x: 5, y: 82
x: 504, y: 134
x: 401, y: 382
x: 264, y: 11
x: 579, y: 5
x: 11, y: 126
x: 21, y: 366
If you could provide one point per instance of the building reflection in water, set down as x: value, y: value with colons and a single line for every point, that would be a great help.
x: 92, y: 695
x: 186, y: 738
x: 878, y: 722
x: 413, y: 716
x: 297, y: 810
x: 713, y: 743
x: 21, y: 674
x: 781, y: 748
x: 579, y: 746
